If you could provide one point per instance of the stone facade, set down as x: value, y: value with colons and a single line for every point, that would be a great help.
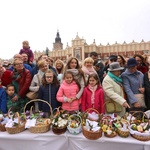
x: 81, y: 49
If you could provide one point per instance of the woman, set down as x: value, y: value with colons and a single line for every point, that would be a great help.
x: 37, y: 79
x: 59, y: 66
x: 112, y: 85
x: 141, y: 66
x: 133, y: 84
x: 147, y: 85
x: 21, y: 79
x: 88, y: 67
x: 122, y: 62
x: 73, y: 66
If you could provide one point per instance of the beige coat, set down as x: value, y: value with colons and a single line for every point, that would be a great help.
x: 113, y: 91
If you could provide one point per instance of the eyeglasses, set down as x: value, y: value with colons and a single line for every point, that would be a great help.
x: 44, y: 66
x: 18, y: 64
x: 49, y: 76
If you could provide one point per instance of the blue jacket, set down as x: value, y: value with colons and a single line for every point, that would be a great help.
x: 131, y: 83
x: 3, y: 106
x: 48, y: 93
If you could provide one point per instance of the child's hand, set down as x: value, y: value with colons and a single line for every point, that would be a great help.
x: 69, y: 100
x: 15, y: 98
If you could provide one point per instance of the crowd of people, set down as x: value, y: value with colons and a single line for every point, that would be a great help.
x: 75, y: 86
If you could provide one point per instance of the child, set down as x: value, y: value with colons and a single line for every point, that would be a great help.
x: 2, y: 99
x: 48, y: 91
x: 68, y: 91
x: 10, y: 90
x: 26, y: 49
x: 93, y: 95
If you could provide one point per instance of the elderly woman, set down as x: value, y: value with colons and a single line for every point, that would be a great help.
x: 88, y: 67
x: 112, y: 85
x: 21, y: 79
x: 133, y: 84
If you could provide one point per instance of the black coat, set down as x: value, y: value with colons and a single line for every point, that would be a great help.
x: 147, y: 90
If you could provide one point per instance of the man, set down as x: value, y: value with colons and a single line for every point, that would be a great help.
x: 26, y: 66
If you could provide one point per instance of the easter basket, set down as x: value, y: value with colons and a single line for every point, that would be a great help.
x: 60, y: 121
x: 108, y: 127
x: 74, y: 124
x: 89, y: 133
x: 122, y: 128
x: 18, y: 124
x: 2, y: 123
x: 140, y: 127
x: 41, y: 125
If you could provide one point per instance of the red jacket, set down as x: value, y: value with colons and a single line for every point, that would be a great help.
x: 6, y: 78
x: 24, y: 82
x: 98, y: 101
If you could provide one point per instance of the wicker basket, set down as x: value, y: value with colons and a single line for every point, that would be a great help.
x: 74, y: 130
x: 41, y: 127
x: 87, y: 133
x: 59, y: 130
x: 2, y: 127
x: 114, y: 134
x: 123, y: 133
x: 140, y: 137
x: 16, y: 129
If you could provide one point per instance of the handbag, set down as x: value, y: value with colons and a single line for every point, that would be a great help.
x: 112, y: 107
x: 140, y: 97
x: 141, y: 100
x: 33, y: 94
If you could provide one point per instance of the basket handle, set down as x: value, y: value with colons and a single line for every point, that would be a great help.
x: 39, y: 100
x: 136, y: 113
x: 110, y: 101
x: 74, y: 115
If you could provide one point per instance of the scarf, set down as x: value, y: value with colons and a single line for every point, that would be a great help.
x: 88, y: 71
x: 92, y: 89
x: 41, y: 73
x: 115, y: 78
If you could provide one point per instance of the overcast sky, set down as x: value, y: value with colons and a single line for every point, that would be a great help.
x: 103, y: 20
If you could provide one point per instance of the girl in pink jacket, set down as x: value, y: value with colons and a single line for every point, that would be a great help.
x: 93, y: 95
x: 68, y: 91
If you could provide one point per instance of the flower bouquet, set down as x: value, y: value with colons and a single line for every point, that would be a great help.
x: 35, y: 121
x: 60, y: 122
x: 91, y: 126
x: 140, y: 127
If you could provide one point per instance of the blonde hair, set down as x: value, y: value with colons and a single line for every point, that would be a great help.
x: 25, y: 42
x: 88, y: 59
x: 41, y: 63
x: 60, y: 61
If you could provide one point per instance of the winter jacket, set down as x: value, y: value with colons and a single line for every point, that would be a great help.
x: 23, y: 80
x: 131, y: 83
x: 6, y: 78
x: 98, y: 99
x: 48, y: 93
x: 3, y: 106
x: 114, y: 92
x: 29, y: 52
x: 68, y: 91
